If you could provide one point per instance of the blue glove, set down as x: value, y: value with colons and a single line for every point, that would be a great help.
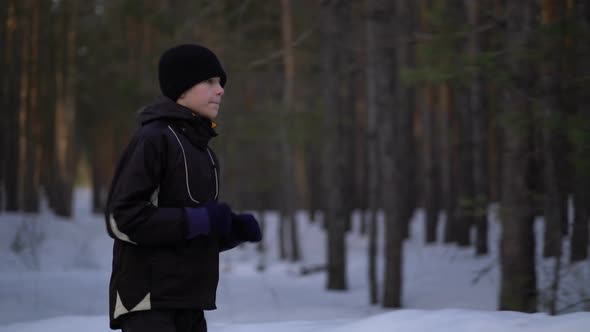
x: 246, y: 228
x: 211, y: 219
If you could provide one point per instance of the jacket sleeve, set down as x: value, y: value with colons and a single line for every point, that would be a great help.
x: 132, y: 212
x: 229, y: 243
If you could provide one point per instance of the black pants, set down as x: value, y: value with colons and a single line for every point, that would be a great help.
x: 165, y: 320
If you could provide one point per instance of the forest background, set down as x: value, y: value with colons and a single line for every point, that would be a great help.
x: 331, y: 106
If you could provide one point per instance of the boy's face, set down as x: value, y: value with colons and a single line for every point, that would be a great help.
x: 203, y: 98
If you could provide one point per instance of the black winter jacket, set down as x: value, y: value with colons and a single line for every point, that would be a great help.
x: 166, y: 166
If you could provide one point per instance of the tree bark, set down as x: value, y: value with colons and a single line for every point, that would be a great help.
x: 386, y: 91
x: 462, y: 165
x: 12, y: 81
x: 334, y: 17
x: 32, y: 120
x: 431, y: 170
x: 373, y: 161
x: 431, y: 152
x: 28, y: 121
x: 101, y: 154
x: 3, y: 101
x: 478, y: 127
x: 518, y: 290
x: 552, y: 204
x: 406, y: 142
x: 360, y: 143
x: 581, y: 154
x: 448, y: 163
x: 65, y: 118
x: 461, y: 141
x: 47, y: 96
x: 580, y: 238
x: 283, y: 252
x: 287, y: 151
x: 495, y: 143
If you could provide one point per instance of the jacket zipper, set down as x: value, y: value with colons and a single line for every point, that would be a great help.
x: 186, y: 169
x: 215, y: 172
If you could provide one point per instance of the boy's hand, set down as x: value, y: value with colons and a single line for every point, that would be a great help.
x: 211, y: 219
x: 220, y: 218
x: 246, y: 227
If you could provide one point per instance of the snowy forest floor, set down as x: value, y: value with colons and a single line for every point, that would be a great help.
x: 54, y: 277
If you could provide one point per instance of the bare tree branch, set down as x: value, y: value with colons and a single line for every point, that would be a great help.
x: 481, y: 273
x: 572, y: 306
x: 277, y: 54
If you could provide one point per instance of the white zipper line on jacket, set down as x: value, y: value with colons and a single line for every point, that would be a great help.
x: 214, y: 170
x: 186, y: 169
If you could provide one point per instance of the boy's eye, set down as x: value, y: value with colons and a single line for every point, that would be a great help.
x: 211, y: 81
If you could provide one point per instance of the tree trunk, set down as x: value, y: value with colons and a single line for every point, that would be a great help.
x: 461, y: 143
x: 47, y: 95
x: 11, y: 90
x: 24, y: 144
x: 3, y: 100
x: 348, y: 95
x: 385, y: 61
x: 373, y: 161
x: 316, y: 199
x: 361, y: 149
x: 287, y: 151
x: 362, y: 168
x: 462, y: 166
x: 579, y: 240
x: 478, y: 127
x: 430, y: 157
x: 32, y: 120
x: 66, y: 111
x: 406, y: 142
x: 301, y: 178
x: 447, y: 161
x: 495, y: 143
x: 334, y: 15
x: 552, y: 205
x: 261, y: 246
x: 397, y: 144
x: 518, y: 290
x: 581, y: 154
x: 431, y: 152
x: 100, y: 155
x: 283, y: 252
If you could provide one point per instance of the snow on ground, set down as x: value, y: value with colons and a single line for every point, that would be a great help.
x: 448, y: 320
x: 61, y: 284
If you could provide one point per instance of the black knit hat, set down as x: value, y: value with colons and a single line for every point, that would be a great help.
x: 183, y: 66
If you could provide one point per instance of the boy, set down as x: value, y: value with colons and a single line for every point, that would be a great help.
x: 162, y: 208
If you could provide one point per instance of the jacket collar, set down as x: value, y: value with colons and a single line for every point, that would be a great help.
x: 197, y: 129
